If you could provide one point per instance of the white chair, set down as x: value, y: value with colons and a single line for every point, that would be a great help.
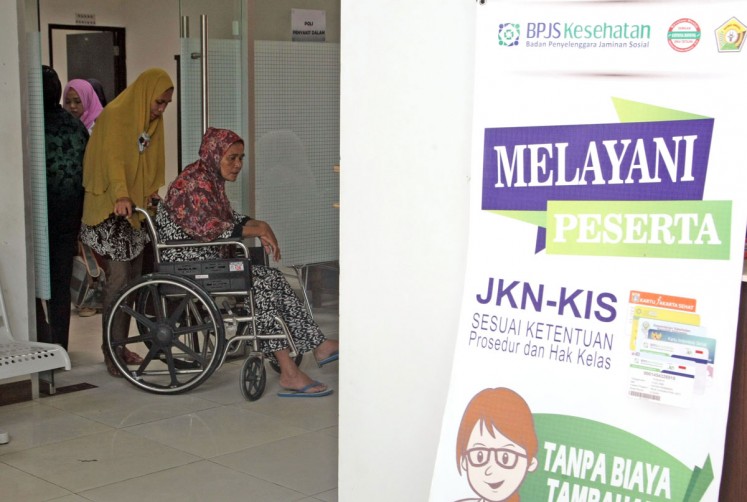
x: 18, y: 357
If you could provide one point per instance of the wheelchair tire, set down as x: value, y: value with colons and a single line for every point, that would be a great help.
x: 253, y: 378
x: 180, y: 333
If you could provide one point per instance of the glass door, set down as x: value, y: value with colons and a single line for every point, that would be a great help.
x: 212, y: 79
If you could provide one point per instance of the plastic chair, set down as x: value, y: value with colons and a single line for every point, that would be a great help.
x: 20, y: 357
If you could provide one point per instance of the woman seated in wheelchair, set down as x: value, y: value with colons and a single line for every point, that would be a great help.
x: 196, y: 207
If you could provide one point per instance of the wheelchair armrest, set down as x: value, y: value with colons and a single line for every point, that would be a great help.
x: 229, y: 241
x: 216, y: 242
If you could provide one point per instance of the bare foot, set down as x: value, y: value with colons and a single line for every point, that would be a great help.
x: 326, y: 349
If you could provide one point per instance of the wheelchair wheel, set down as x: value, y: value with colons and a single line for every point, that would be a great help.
x: 253, y: 378
x: 180, y: 333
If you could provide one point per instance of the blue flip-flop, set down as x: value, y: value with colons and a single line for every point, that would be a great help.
x: 302, y: 391
x: 330, y: 359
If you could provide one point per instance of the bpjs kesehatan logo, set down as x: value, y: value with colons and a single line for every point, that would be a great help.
x: 508, y: 34
x: 575, y: 35
x: 633, y: 188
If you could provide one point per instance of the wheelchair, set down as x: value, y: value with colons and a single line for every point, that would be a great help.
x: 189, y: 317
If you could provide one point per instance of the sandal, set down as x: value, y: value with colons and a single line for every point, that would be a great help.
x: 110, y: 366
x: 131, y: 357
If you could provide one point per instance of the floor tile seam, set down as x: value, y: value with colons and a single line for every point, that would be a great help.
x: 31, y: 449
x: 241, y: 449
x: 72, y: 412
x: 317, y: 495
x: 35, y: 476
x: 130, y: 479
x: 172, y: 417
x: 208, y: 405
x: 280, y: 419
x: 131, y: 426
x: 214, y: 458
x: 168, y: 444
x: 13, y: 407
x: 254, y: 476
x: 265, y: 480
x: 154, y: 470
x: 57, y: 441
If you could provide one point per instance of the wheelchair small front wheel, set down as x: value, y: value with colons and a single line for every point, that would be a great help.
x: 253, y: 378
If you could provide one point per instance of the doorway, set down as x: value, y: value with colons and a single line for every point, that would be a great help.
x: 89, y: 52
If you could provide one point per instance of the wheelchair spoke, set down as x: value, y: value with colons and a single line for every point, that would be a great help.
x: 156, y: 299
x: 141, y: 318
x: 149, y: 357
x: 172, y: 368
x: 179, y: 310
x: 189, y: 351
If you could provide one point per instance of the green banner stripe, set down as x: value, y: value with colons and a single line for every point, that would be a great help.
x: 633, y: 111
x: 588, y: 459
x: 650, y: 229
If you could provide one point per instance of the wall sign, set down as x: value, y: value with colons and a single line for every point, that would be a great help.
x: 308, y: 25
x: 81, y: 18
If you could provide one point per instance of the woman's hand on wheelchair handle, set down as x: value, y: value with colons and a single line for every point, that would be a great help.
x: 123, y: 207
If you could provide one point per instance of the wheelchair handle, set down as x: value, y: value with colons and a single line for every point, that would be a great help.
x: 158, y: 246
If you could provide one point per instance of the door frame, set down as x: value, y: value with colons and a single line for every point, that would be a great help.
x: 118, y: 37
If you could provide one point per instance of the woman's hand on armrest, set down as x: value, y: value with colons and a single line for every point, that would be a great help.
x: 262, y: 231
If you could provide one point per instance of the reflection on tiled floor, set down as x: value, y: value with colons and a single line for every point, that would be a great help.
x: 114, y: 442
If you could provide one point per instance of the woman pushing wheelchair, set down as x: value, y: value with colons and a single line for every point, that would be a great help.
x: 197, y: 207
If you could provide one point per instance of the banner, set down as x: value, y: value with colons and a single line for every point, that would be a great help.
x: 594, y: 355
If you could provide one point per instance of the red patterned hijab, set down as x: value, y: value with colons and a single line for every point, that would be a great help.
x: 196, y: 199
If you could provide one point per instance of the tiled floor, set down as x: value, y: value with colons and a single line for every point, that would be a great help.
x: 115, y: 442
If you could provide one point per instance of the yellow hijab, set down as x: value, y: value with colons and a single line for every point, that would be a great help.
x: 113, y: 166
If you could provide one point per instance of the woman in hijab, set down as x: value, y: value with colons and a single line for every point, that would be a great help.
x: 81, y: 99
x: 98, y: 88
x: 65, y: 143
x: 196, y: 207
x: 82, y: 102
x: 124, y: 166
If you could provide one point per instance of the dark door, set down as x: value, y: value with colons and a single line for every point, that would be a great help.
x: 91, y: 55
x: 92, y: 52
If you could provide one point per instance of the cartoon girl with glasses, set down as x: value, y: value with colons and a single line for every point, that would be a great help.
x: 496, y: 445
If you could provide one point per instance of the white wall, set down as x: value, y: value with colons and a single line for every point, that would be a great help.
x: 153, y: 41
x: 406, y: 90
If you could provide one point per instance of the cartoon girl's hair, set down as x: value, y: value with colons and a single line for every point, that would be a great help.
x: 498, y: 409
